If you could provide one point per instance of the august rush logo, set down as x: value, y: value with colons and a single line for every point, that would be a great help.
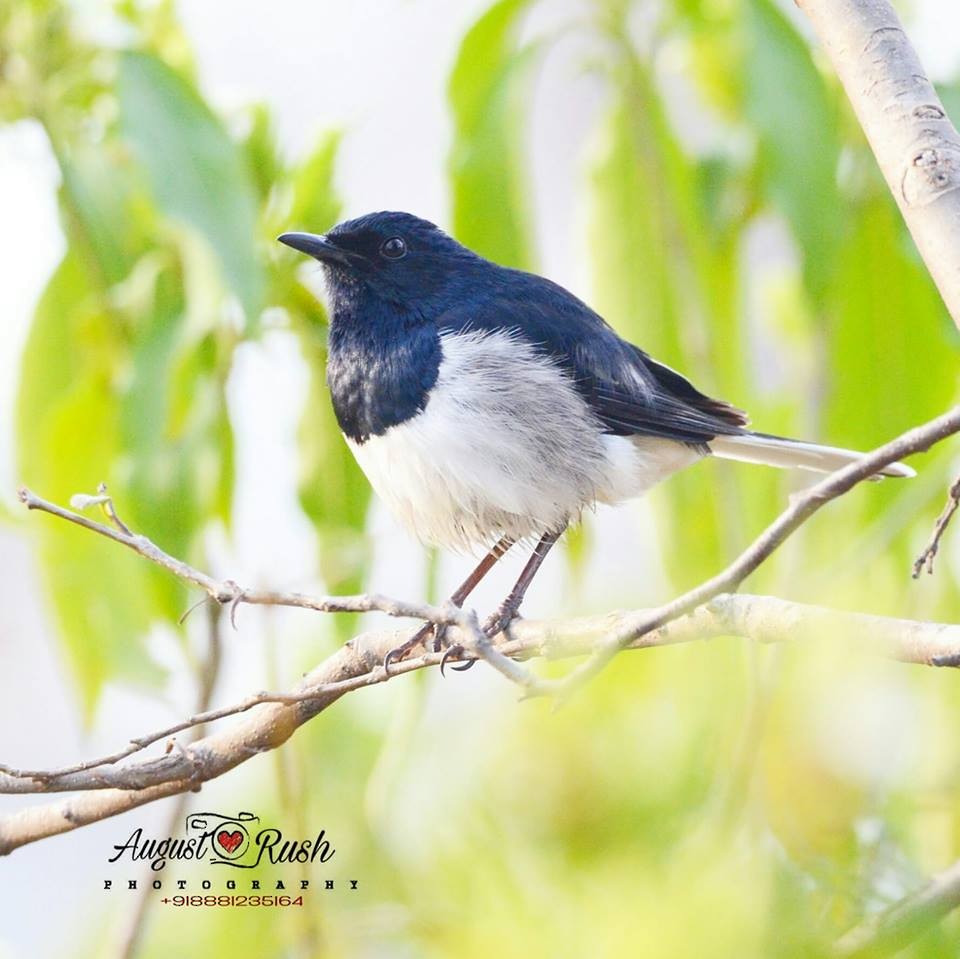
x: 237, y: 842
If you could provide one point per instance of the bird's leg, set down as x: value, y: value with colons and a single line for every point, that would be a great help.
x: 508, y: 609
x: 457, y: 598
x: 460, y: 594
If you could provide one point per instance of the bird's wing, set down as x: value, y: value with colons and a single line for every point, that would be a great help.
x: 629, y: 392
x: 667, y: 405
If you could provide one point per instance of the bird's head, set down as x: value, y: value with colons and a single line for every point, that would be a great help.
x: 396, y: 256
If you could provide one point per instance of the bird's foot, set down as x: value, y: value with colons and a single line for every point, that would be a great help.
x: 453, y: 652
x: 499, y: 620
x: 417, y: 639
x: 495, y: 624
x: 421, y: 637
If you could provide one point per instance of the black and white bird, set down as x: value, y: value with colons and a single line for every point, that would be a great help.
x: 488, y: 406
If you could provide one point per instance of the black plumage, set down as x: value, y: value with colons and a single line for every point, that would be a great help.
x: 384, y: 346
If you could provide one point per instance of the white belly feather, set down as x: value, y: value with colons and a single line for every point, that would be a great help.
x: 505, y: 447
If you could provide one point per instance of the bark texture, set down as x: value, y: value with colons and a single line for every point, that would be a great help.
x: 916, y: 145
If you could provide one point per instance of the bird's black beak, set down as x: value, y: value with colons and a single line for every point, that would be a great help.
x: 319, y: 247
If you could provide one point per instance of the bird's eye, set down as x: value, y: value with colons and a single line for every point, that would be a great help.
x: 394, y: 248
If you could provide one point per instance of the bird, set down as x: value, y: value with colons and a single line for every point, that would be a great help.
x: 489, y: 406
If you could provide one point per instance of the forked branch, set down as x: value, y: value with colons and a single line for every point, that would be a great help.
x: 110, y: 786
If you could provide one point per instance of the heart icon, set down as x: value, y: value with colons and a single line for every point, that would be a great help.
x: 229, y: 840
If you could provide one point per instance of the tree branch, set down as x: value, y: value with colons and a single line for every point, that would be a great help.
x: 760, y: 618
x: 113, y: 788
x: 763, y: 619
x: 136, y: 920
x: 916, y: 145
x: 918, y: 151
x: 893, y: 929
x: 926, y: 558
x: 227, y: 592
x: 803, y: 506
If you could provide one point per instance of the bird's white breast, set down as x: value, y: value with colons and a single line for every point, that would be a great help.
x: 504, y: 447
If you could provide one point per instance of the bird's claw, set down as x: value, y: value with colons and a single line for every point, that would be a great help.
x: 439, y: 631
x: 399, y: 652
x: 496, y: 623
x: 499, y: 621
x: 449, y: 653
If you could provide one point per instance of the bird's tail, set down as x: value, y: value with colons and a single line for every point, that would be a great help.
x: 792, y: 454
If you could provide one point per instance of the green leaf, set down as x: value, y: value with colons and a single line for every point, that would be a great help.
x: 176, y: 440
x: 261, y: 151
x: 144, y: 411
x: 50, y: 363
x: 315, y: 205
x: 639, y: 284
x: 795, y: 117
x: 664, y: 257
x: 486, y: 161
x: 96, y: 197
x: 892, y: 348
x: 99, y: 592
x: 67, y: 442
x: 197, y: 173
x: 633, y: 282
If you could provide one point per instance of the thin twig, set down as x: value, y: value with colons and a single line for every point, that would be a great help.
x: 925, y: 559
x: 917, y: 149
x: 893, y: 929
x: 358, y: 663
x: 227, y: 592
x: 230, y: 594
x: 763, y: 619
x: 113, y: 788
x: 803, y: 506
x: 135, y: 921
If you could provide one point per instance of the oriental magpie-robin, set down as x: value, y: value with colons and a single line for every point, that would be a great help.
x: 488, y: 406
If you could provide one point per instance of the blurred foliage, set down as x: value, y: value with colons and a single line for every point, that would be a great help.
x: 489, y: 83
x: 169, y: 209
x: 705, y: 801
